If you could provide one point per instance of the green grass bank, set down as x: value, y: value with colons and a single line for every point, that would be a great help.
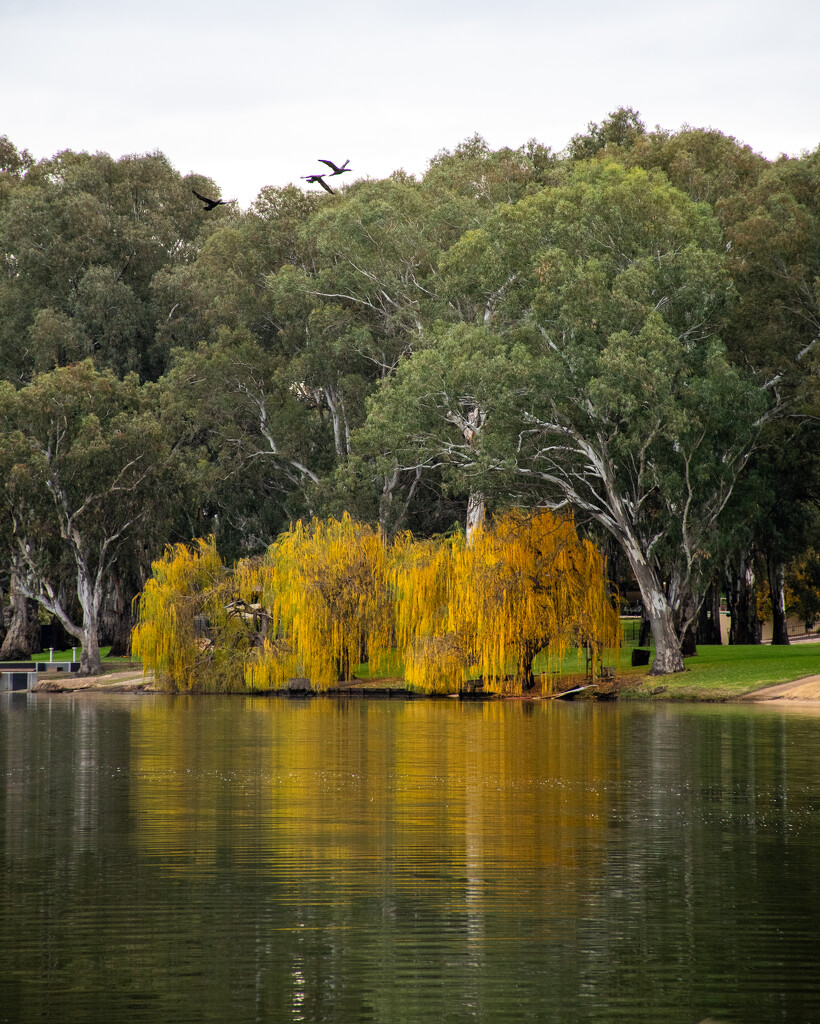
x: 724, y: 673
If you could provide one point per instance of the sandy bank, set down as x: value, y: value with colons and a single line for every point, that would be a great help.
x: 132, y: 681
x: 806, y: 689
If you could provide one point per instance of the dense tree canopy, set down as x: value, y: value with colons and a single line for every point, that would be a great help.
x: 627, y: 329
x: 82, y: 238
x: 598, y: 378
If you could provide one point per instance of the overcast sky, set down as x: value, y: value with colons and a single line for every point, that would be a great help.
x: 253, y: 92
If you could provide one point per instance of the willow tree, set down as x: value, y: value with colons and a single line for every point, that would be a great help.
x: 526, y: 584
x: 436, y: 656
x: 196, y: 630
x: 325, y: 583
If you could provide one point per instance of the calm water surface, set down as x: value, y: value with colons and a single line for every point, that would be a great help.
x: 229, y: 859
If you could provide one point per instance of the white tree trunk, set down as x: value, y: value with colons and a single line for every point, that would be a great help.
x: 476, y: 514
x: 90, y: 596
x: 668, y: 656
x: 392, y: 513
x: 777, y: 590
x: 341, y: 430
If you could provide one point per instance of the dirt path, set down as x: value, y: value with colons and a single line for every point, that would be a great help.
x: 807, y: 689
x: 130, y: 681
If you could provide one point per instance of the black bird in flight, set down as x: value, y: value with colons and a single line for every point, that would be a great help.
x: 210, y: 204
x: 336, y: 170
x: 319, y: 179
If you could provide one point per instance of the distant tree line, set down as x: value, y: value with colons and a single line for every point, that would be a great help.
x: 628, y: 329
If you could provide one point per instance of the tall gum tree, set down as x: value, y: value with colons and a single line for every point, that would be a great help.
x: 82, y: 237
x: 82, y: 465
x: 631, y: 411
x: 360, y: 298
x: 775, y: 260
x: 433, y: 414
x: 616, y: 397
x: 260, y: 442
x: 769, y: 214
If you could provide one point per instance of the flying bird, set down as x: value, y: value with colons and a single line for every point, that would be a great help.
x: 336, y: 170
x: 210, y: 204
x: 319, y: 179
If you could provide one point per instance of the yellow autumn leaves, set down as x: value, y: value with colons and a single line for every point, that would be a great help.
x: 330, y: 595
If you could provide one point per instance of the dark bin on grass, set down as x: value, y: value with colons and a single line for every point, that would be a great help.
x: 640, y: 656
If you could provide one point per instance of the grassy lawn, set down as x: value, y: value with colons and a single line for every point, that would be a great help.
x: 722, y: 673
x: 66, y: 656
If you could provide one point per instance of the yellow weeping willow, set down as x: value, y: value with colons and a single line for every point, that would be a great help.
x: 198, y: 628
x: 188, y: 587
x: 326, y: 586
x: 329, y: 595
x: 527, y: 583
x: 423, y: 583
x: 317, y: 604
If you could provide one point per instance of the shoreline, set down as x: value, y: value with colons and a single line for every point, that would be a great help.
x: 804, y: 690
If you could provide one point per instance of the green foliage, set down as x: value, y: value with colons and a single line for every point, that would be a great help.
x: 619, y: 132
x: 488, y: 177
x: 81, y: 239
x: 614, y: 329
x: 598, y: 378
x: 258, y: 445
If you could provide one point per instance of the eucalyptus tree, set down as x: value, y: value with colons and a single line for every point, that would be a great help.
x: 615, y: 396
x: 225, y: 287
x: 769, y: 215
x: 304, y: 304
x: 362, y: 299
x: 431, y: 416
x: 84, y: 467
x: 486, y: 177
x: 716, y: 169
x: 259, y: 443
x: 614, y: 136
x: 774, y: 231
x: 709, y: 166
x: 290, y: 314
x: 773, y: 235
x: 13, y: 166
x: 81, y: 238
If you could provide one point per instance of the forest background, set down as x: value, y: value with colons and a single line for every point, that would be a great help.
x: 627, y: 329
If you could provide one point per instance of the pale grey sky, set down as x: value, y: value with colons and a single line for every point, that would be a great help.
x: 253, y: 92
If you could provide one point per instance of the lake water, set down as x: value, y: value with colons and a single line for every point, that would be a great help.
x: 228, y: 860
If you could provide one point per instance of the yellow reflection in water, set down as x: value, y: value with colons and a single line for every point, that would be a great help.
x: 484, y: 797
